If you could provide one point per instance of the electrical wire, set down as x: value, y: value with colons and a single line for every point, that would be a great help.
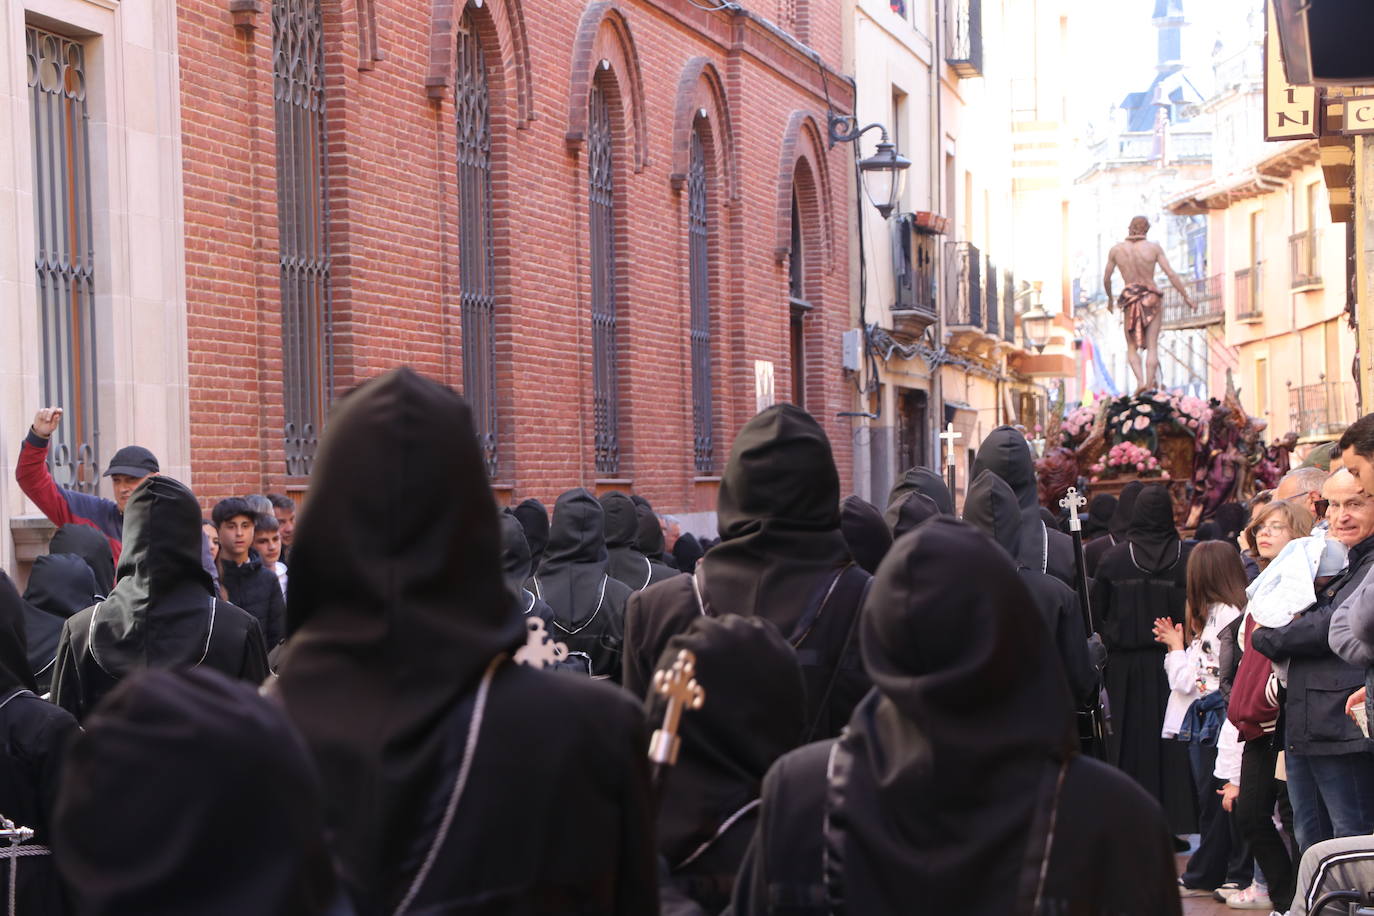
x: 716, y: 7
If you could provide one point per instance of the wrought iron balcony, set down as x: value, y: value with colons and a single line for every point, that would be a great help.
x: 915, y: 257
x: 1249, y: 292
x: 964, y: 37
x: 1304, y: 255
x: 1323, y: 409
x: 1206, y: 294
x: 963, y: 286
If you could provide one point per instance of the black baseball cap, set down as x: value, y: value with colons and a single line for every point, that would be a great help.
x: 132, y: 461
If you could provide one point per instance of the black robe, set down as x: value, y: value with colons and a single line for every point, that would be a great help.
x: 402, y: 625
x: 755, y: 713
x: 1007, y: 454
x: 33, y: 739
x: 915, y: 811
x: 781, y: 557
x: 1140, y: 579
x: 624, y: 560
x: 190, y: 793
x: 161, y: 613
x: 588, y: 603
x: 515, y: 568
x: 991, y: 507
x: 60, y: 584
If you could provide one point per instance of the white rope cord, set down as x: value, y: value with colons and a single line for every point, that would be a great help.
x: 469, y: 750
x: 19, y: 852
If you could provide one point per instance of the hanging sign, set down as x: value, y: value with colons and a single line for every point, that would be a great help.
x: 1290, y: 112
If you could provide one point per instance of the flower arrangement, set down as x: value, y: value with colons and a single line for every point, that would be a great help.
x: 1078, y: 424
x: 1125, y: 458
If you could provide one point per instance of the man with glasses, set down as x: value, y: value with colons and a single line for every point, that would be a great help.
x: 1303, y: 486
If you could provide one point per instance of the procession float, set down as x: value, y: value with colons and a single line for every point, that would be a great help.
x: 1206, y: 452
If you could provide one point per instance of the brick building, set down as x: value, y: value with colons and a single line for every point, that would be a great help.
x: 595, y: 218
x: 615, y: 224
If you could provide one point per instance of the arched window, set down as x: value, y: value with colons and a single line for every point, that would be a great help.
x: 476, y: 273
x: 699, y: 266
x: 303, y: 224
x: 601, y: 164
x: 798, y: 306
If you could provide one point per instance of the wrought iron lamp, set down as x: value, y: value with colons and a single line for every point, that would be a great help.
x: 884, y: 173
x: 1035, y: 324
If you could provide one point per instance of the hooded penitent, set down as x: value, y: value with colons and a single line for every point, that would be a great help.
x: 949, y: 804
x: 396, y: 607
x: 15, y: 673
x: 865, y: 532
x: 159, y: 612
x: 754, y: 714
x: 905, y: 511
x: 515, y: 556
x: 1154, y: 540
x: 91, y: 546
x: 534, y: 519
x: 1100, y: 511
x: 779, y: 517
x: 687, y: 552
x: 1007, y: 454
x: 624, y: 559
x: 1120, y: 522
x: 650, y: 541
x: 231, y: 823
x: 60, y: 584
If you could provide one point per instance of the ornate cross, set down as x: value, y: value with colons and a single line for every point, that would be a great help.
x: 540, y: 649
x: 683, y: 692
x: 949, y: 435
x: 1073, y: 501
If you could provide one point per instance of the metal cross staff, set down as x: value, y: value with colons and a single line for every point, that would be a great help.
x: 949, y: 435
x: 678, y: 684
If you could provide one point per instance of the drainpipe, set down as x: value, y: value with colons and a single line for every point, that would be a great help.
x: 937, y: 171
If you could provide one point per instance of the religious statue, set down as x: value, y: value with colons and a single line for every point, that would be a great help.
x: 1140, y: 301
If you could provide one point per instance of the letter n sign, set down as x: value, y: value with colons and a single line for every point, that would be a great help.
x: 1290, y: 112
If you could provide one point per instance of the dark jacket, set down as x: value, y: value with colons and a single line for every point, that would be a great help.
x: 1313, y: 719
x: 255, y: 588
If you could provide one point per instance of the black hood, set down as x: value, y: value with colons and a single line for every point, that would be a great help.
x: 621, y: 521
x: 1155, y: 544
x: 396, y: 606
x: 573, y: 573
x: 865, y: 532
x: 534, y: 518
x: 1122, y: 515
x: 1099, y: 519
x: 926, y: 482
x: 755, y: 711
x: 909, y: 510
x: 687, y: 552
x: 91, y: 546
x: 61, y: 584
x: 15, y: 673
x: 779, y: 516
x: 1231, y: 519
x: 649, y: 540
x: 232, y: 823
x: 966, y: 727
x: 515, y: 556
x: 991, y: 507
x: 159, y: 612
x: 1007, y: 454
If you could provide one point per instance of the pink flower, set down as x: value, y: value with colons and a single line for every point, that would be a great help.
x: 1139, y: 466
x: 1164, y: 474
x: 1092, y: 479
x: 1142, y: 422
x: 1146, y: 408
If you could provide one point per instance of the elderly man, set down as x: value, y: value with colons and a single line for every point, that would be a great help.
x: 1329, y: 761
x: 1303, y: 487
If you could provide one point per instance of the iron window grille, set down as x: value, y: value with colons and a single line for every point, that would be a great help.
x: 303, y: 216
x: 476, y: 271
x: 64, y: 251
x: 601, y: 204
x: 798, y: 306
x: 699, y: 241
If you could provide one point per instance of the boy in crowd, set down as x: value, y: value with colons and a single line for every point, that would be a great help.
x: 247, y: 582
x: 267, y: 542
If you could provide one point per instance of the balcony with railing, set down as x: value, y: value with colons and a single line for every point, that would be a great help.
x: 1249, y: 291
x: 915, y: 259
x: 1209, y: 306
x: 964, y: 37
x: 963, y: 286
x: 1304, y: 257
x: 1322, y: 410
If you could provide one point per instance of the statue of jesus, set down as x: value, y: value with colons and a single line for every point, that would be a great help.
x: 1140, y: 301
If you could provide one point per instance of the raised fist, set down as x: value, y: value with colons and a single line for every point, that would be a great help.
x: 46, y: 420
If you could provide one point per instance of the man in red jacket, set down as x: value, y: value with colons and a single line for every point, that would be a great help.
x: 128, y: 468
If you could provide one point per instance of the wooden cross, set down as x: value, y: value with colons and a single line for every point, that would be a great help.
x: 683, y: 692
x: 1073, y: 501
x: 949, y: 435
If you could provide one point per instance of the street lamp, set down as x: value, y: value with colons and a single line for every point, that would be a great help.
x: 1035, y: 324
x: 883, y: 173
